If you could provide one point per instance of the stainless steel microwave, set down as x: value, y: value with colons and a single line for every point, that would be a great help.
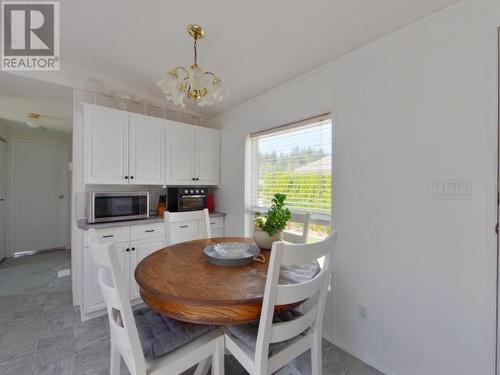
x: 117, y: 206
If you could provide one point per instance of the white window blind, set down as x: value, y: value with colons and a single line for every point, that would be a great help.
x: 296, y: 160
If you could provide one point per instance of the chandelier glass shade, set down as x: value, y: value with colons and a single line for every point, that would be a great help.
x: 202, y: 88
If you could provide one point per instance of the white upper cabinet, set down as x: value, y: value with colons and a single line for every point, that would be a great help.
x: 207, y: 165
x: 146, y: 150
x: 106, y: 146
x: 180, y: 154
x: 127, y: 148
x: 192, y: 155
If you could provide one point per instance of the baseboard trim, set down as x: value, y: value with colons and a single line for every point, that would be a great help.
x: 23, y: 253
x: 356, y: 355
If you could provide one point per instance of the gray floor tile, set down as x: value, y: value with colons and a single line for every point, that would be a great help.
x: 55, y: 352
x: 65, y: 366
x: 93, y: 359
x: 17, y: 365
x: 359, y: 368
x: 90, y: 333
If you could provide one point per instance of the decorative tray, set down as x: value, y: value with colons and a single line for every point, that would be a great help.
x: 233, y: 254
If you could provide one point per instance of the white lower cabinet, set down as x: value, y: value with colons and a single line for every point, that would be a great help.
x: 217, y: 226
x: 92, y: 296
x: 139, y: 244
x: 133, y: 243
x: 139, y: 251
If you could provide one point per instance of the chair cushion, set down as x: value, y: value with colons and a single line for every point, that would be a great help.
x: 160, y: 335
x: 297, y: 274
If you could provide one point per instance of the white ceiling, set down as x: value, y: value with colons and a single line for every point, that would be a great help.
x: 254, y: 45
x: 21, y: 95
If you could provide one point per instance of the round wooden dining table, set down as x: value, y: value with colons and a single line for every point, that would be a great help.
x: 179, y: 282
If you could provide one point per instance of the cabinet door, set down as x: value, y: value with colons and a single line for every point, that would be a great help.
x: 140, y: 250
x: 105, y: 146
x: 92, y: 296
x: 207, y: 156
x: 180, y: 153
x: 146, y: 150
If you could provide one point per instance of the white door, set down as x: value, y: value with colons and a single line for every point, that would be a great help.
x: 3, y: 197
x: 39, y: 195
x: 146, y: 150
x: 106, y: 146
x: 139, y: 251
x: 180, y: 155
x: 207, y: 156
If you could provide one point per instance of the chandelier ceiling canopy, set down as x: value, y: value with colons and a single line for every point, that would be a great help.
x: 202, y: 88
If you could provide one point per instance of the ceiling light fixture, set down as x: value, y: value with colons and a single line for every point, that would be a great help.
x: 33, y: 120
x: 203, y: 88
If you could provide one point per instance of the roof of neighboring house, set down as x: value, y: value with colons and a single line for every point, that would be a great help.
x: 321, y: 165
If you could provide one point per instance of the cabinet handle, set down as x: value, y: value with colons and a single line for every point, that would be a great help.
x: 194, y: 179
x: 127, y: 249
x: 212, y: 223
x: 131, y: 177
x: 133, y: 249
x: 126, y: 177
x: 197, y: 179
x: 149, y: 230
x: 184, y: 226
x: 108, y: 236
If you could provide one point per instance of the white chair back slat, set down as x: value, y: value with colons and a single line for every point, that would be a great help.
x: 286, y: 330
x: 173, y: 236
x: 116, y: 296
x: 305, y: 253
x: 285, y: 254
x: 300, y: 218
x: 109, y: 293
x: 119, y: 334
x: 291, y: 293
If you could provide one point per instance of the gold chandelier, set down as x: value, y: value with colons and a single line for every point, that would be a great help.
x: 203, y: 88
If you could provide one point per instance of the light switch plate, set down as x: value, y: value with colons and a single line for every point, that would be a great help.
x: 452, y: 189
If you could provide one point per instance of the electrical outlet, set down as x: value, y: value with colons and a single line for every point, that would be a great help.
x: 363, y: 312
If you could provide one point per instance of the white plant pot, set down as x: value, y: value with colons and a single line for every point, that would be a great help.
x: 264, y: 241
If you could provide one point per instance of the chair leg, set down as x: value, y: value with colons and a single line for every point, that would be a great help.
x: 316, y: 358
x: 218, y: 357
x: 115, y: 361
x: 203, y: 367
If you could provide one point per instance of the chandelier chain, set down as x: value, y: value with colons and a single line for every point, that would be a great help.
x: 195, y: 51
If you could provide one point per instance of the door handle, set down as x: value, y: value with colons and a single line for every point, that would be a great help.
x: 61, y: 196
x: 1, y: 199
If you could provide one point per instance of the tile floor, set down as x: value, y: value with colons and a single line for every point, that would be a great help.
x: 41, y: 332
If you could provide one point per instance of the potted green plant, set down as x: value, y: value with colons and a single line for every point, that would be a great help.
x: 269, y: 226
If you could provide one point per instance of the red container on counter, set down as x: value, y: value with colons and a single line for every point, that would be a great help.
x: 210, y: 202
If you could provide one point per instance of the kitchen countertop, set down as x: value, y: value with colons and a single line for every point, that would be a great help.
x: 83, y: 225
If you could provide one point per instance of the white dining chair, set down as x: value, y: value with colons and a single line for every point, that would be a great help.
x: 150, y: 344
x: 185, y: 226
x: 300, y: 218
x: 280, y: 338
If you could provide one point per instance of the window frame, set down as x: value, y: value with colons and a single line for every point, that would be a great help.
x: 316, y: 218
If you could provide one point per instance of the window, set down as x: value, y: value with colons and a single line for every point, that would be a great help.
x: 296, y: 160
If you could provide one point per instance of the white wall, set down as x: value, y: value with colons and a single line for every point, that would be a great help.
x: 416, y: 105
